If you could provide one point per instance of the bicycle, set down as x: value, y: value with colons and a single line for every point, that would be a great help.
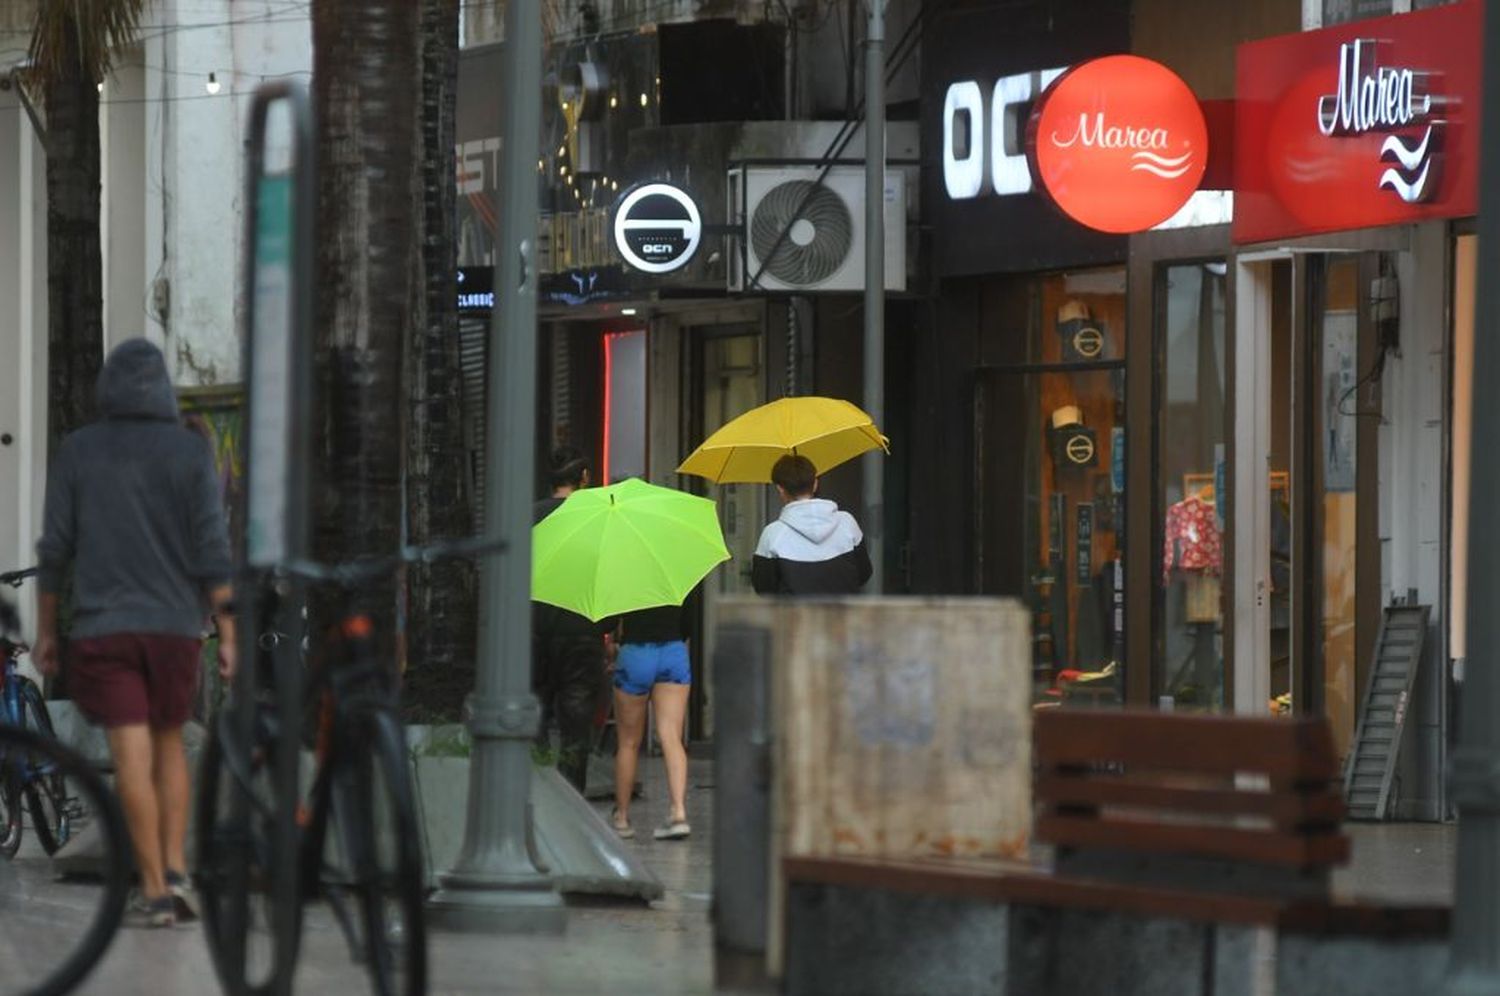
x: 357, y: 843
x: 39, y: 789
x: 53, y: 934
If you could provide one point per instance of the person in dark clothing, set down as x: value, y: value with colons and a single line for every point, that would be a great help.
x: 813, y: 548
x: 568, y: 652
x: 653, y: 667
x: 133, y: 509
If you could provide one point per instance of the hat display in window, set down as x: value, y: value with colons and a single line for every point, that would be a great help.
x: 1082, y: 337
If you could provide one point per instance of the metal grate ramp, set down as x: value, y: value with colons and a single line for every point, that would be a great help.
x: 1371, y: 766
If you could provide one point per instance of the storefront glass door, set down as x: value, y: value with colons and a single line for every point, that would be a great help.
x: 1261, y: 483
x: 1049, y: 438
x: 1191, y: 498
x: 730, y: 382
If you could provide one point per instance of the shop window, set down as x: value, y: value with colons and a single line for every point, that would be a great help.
x: 1190, y: 488
x: 1050, y: 441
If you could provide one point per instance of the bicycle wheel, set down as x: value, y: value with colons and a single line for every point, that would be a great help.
x: 381, y: 857
x: 10, y: 811
x: 54, y: 813
x: 234, y: 865
x: 53, y: 932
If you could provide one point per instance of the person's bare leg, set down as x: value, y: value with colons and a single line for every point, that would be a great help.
x: 131, y: 748
x: 630, y: 728
x: 670, y: 703
x: 170, y: 776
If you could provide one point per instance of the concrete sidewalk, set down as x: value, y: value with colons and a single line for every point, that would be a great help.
x: 1407, y: 863
x: 620, y: 947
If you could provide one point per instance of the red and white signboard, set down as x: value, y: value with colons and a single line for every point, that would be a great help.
x: 1119, y: 143
x: 1366, y: 124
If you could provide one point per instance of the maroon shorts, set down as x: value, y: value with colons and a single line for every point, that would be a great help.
x: 131, y: 678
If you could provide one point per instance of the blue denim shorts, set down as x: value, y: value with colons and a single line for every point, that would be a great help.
x: 641, y: 665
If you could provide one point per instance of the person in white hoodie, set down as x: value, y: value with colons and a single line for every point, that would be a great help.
x: 813, y: 547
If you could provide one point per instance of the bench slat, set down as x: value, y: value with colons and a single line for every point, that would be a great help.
x: 1295, y: 850
x: 1300, y: 748
x: 1287, y: 810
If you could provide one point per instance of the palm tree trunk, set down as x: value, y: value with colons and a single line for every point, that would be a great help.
x: 75, y: 301
x: 364, y: 59
x: 438, y: 495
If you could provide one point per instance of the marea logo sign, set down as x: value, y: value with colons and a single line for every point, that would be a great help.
x: 1119, y: 143
x: 657, y: 227
x: 1372, y: 97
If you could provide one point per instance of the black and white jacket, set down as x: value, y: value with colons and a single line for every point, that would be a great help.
x: 813, y: 548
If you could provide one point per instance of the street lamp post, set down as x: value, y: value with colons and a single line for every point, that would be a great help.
x: 1475, y: 965
x: 873, y: 466
x: 495, y: 883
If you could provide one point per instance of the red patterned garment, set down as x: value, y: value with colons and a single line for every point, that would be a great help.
x: 1193, y: 542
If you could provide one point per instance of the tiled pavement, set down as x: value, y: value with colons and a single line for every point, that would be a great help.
x: 614, y: 947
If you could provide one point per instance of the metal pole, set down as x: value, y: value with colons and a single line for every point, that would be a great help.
x: 495, y: 884
x: 874, y: 466
x: 1475, y: 956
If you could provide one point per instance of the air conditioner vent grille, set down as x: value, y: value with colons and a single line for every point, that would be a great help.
x: 819, y: 235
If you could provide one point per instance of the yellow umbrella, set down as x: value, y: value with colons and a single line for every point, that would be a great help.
x: 825, y: 430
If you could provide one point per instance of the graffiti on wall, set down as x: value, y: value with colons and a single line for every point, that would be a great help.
x: 218, y: 415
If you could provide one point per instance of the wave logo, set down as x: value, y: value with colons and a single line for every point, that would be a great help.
x: 1371, y: 98
x: 1409, y: 179
x: 1146, y: 161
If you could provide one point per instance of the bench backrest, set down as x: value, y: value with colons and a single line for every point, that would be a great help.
x: 1193, y: 800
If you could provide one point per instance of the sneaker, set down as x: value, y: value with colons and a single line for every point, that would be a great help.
x: 623, y: 828
x: 673, y: 830
x: 143, y: 912
x: 184, y: 899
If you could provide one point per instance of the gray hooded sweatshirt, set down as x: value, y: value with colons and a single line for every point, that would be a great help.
x: 133, y: 504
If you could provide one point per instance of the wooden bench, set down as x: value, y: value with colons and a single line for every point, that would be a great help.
x: 1175, y: 841
x: 1222, y: 818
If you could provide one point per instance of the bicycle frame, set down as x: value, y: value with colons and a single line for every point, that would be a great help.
x: 346, y: 687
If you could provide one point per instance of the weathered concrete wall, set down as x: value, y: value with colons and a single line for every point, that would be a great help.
x: 194, y: 170
x: 881, y: 943
x: 843, y: 942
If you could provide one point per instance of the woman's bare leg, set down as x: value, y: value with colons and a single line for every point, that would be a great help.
x: 670, y: 702
x: 630, y: 728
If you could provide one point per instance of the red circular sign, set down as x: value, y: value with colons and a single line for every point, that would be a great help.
x: 1119, y: 143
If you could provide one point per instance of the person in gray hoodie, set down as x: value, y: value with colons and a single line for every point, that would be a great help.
x: 133, y: 509
x: 813, y: 547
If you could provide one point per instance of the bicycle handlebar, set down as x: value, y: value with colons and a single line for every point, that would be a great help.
x: 14, y: 578
x: 363, y: 570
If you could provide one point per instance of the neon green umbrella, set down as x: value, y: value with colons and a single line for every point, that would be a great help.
x: 629, y: 546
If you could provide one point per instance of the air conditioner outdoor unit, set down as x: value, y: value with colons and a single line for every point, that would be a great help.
x: 800, y: 235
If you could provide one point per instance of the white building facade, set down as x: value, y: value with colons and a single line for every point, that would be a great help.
x: 172, y: 129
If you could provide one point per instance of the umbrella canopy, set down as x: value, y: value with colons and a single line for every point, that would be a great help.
x: 629, y: 546
x: 827, y: 431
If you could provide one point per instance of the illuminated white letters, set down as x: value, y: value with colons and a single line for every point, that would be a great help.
x: 963, y: 175
x: 999, y: 135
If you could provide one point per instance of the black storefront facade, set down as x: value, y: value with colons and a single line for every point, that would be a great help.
x: 1019, y: 380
